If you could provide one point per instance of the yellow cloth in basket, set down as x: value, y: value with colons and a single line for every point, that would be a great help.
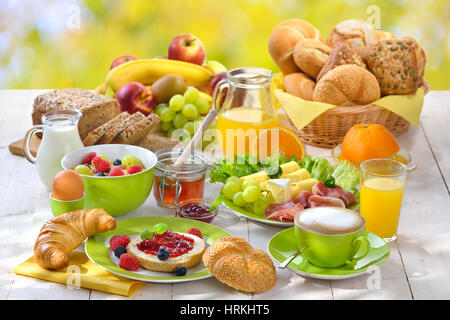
x: 302, y: 112
x: 81, y: 272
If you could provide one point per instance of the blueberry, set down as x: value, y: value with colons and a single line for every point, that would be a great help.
x: 87, y: 165
x: 163, y: 254
x: 119, y: 251
x: 117, y: 162
x: 100, y: 174
x: 181, y: 271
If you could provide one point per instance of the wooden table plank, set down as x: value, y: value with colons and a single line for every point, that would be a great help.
x: 424, y: 228
x: 435, y: 123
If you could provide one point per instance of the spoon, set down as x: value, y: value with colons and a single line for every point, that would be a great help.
x: 289, y: 259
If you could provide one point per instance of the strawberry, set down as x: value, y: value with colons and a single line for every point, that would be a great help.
x: 88, y: 158
x: 100, y: 164
x: 118, y: 241
x: 128, y: 262
x: 116, y: 171
x: 135, y: 168
x: 195, y: 232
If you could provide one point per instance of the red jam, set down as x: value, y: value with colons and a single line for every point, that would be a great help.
x: 176, y: 243
x: 195, y: 211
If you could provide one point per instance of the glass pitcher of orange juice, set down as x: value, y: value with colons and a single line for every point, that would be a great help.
x: 246, y: 107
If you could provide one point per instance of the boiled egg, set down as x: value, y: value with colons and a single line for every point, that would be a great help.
x: 67, y: 185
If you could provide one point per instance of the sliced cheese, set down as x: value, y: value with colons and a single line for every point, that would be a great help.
x: 280, y: 189
x: 304, y: 185
x: 289, y: 167
x: 298, y: 175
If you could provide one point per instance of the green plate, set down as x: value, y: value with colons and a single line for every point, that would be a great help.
x: 97, y: 248
x: 283, y: 244
x: 241, y: 212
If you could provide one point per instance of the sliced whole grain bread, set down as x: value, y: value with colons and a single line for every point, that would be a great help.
x: 112, y: 133
x: 96, y: 109
x: 95, y: 135
x: 138, y: 130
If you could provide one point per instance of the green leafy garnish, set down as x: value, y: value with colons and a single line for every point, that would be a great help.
x: 329, y: 183
x: 158, y: 228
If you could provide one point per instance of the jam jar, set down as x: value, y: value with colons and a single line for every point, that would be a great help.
x: 174, y: 184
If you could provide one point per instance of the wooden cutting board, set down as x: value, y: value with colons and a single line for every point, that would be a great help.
x: 152, y: 142
x: 16, y: 147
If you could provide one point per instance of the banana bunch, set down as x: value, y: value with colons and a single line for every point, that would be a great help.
x: 147, y: 71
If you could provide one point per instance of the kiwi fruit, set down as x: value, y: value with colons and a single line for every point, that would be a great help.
x: 167, y: 86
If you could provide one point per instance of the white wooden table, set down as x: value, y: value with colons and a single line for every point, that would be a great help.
x: 418, y: 267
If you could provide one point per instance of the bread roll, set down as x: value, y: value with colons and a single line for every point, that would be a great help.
x: 233, y: 261
x: 381, y: 35
x: 283, y: 39
x: 360, y: 33
x: 347, y: 85
x: 399, y: 65
x: 342, y: 53
x: 299, y: 85
x: 310, y: 55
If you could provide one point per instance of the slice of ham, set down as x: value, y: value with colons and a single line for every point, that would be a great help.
x: 320, y: 190
x: 348, y: 198
x: 284, y: 212
x: 302, y: 198
x: 318, y: 201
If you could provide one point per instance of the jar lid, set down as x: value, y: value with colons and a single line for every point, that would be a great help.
x: 195, y: 163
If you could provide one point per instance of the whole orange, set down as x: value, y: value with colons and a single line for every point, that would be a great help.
x: 368, y: 141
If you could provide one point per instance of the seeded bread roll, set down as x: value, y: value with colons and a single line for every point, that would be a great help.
x: 347, y: 85
x: 399, y: 65
x: 360, y: 33
x: 310, y: 55
x: 299, y: 85
x: 283, y: 39
x: 343, y: 53
x: 233, y: 261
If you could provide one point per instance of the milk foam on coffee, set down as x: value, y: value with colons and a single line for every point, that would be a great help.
x: 330, y: 220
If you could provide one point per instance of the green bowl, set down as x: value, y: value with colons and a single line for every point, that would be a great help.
x: 62, y: 206
x: 116, y: 195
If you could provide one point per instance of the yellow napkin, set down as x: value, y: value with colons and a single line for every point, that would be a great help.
x: 83, y: 272
x: 301, y: 112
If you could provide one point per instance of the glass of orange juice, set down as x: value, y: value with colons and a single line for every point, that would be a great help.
x: 246, y: 108
x: 382, y: 185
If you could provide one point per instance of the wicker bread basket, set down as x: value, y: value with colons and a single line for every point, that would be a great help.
x: 329, y: 128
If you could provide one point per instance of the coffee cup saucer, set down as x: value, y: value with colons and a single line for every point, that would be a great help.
x: 283, y: 244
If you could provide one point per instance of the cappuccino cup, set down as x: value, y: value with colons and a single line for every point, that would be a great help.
x: 331, y: 237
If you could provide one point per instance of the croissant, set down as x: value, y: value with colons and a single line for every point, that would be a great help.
x: 61, y: 234
x: 236, y: 263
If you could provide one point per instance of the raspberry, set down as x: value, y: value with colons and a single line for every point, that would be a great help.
x: 135, y: 168
x: 116, y: 171
x: 195, y: 232
x: 118, y: 241
x: 100, y: 165
x: 88, y: 158
x: 128, y: 262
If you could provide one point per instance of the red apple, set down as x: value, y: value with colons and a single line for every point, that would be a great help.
x: 134, y: 97
x: 215, y: 80
x: 122, y: 59
x: 187, y: 47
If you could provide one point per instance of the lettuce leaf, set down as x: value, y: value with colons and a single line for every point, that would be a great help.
x: 345, y: 175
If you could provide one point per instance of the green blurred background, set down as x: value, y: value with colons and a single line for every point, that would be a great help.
x: 71, y: 43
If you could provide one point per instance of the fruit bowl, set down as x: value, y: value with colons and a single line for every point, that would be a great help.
x: 116, y: 195
x: 402, y: 156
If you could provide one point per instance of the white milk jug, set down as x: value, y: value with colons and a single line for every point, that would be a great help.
x: 59, y: 136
